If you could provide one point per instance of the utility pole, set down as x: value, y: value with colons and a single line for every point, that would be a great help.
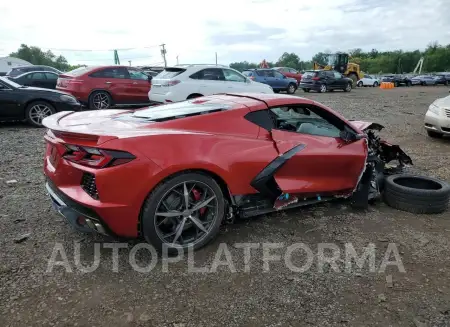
x: 216, y: 58
x: 177, y: 60
x: 163, y: 53
x: 129, y: 61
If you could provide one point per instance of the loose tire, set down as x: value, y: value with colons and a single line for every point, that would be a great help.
x: 416, y: 194
x: 291, y: 88
x: 434, y: 135
x: 157, y: 211
x: 99, y: 100
x: 37, y: 111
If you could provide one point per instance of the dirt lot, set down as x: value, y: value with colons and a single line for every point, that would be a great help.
x: 280, y: 297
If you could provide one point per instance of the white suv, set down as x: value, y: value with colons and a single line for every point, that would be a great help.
x: 184, y: 82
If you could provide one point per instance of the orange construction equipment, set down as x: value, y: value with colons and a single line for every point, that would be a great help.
x: 264, y: 64
x: 386, y: 85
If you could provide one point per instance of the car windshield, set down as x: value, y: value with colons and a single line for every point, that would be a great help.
x: 9, y: 82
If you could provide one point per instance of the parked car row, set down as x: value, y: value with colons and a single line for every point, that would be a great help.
x: 424, y: 80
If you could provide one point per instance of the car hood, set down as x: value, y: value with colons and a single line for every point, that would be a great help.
x: 443, y: 102
x: 365, y: 125
x: 40, y: 89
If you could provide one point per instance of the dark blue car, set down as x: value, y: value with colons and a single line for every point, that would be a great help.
x: 275, y: 79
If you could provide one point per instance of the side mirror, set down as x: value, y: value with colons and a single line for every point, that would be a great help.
x: 349, y: 136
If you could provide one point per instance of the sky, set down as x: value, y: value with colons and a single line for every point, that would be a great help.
x: 86, y: 31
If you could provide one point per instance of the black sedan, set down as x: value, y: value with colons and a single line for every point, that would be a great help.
x: 397, y: 80
x: 46, y: 80
x: 32, y: 104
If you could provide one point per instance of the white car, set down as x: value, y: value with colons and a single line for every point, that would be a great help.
x: 437, y: 118
x: 184, y: 82
x: 368, y: 80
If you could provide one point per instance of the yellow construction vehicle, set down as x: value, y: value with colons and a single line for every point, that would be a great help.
x: 339, y: 62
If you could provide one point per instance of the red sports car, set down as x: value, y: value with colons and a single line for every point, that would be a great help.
x: 174, y: 173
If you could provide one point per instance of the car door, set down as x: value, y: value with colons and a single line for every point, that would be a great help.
x: 115, y: 80
x: 281, y: 81
x: 8, y: 102
x: 235, y: 81
x: 367, y: 80
x: 210, y: 81
x: 339, y: 81
x: 322, y: 163
x: 50, y: 80
x: 329, y: 79
x: 269, y: 78
x: 36, y: 79
x: 139, y: 86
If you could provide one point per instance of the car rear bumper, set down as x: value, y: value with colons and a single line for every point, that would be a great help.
x: 81, y: 218
x: 117, y: 199
x: 439, y: 124
x: 164, y: 97
x: 69, y: 106
x: 309, y: 86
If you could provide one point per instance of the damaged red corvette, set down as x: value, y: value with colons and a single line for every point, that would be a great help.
x: 174, y: 173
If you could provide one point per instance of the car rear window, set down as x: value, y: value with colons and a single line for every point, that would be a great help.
x: 79, y: 71
x: 309, y: 74
x: 170, y: 73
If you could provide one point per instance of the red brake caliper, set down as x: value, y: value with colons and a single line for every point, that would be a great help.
x: 197, y: 197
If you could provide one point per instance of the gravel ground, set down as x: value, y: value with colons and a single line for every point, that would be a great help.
x: 420, y: 296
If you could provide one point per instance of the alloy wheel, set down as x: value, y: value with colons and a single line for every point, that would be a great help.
x: 101, y: 101
x: 323, y: 88
x: 348, y: 88
x: 291, y: 89
x: 186, y: 214
x: 38, y: 112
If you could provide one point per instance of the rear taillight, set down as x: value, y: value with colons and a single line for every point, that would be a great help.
x: 171, y: 82
x: 96, y: 158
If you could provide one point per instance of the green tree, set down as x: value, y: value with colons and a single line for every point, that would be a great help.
x: 36, y: 56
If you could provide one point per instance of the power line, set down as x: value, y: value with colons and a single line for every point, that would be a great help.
x: 103, y: 59
x: 90, y: 50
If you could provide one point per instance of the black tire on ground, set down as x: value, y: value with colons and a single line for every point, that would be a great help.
x: 375, y: 84
x: 150, y: 206
x: 306, y: 90
x: 434, y: 134
x: 354, y: 78
x: 416, y: 194
x: 360, y: 84
x: 193, y: 96
x: 38, y: 110
x: 291, y: 88
x: 99, y: 100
